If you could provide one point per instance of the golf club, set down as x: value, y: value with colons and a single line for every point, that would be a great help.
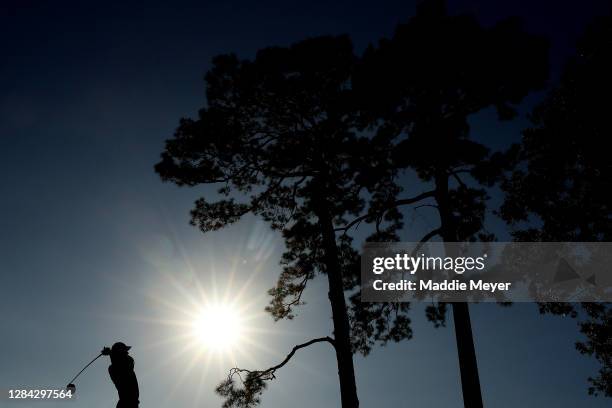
x: 71, y: 387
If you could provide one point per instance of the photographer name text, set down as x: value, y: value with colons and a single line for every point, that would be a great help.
x: 451, y: 285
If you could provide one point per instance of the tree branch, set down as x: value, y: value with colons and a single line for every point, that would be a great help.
x: 380, y: 213
x: 456, y: 176
x: 298, y: 298
x: 414, y: 199
x: 425, y: 205
x: 268, y: 374
x: 247, y: 395
x: 427, y: 237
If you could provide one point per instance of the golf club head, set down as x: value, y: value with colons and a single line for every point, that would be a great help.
x: 71, y: 387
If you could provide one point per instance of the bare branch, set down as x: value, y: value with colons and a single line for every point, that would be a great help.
x: 252, y: 385
x: 425, y: 205
x: 427, y: 237
x: 379, y: 214
x: 268, y: 374
x: 456, y: 176
x: 412, y: 200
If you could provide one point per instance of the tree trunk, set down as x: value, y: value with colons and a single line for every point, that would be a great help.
x: 344, y: 354
x: 470, y: 382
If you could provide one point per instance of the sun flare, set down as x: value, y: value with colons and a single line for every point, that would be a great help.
x: 218, y: 327
x: 207, y: 314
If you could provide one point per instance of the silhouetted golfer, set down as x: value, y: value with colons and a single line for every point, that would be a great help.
x: 122, y: 373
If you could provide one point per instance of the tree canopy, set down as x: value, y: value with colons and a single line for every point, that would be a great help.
x: 560, y: 187
x: 282, y: 131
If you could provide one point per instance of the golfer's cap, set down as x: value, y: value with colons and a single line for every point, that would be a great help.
x: 119, y: 347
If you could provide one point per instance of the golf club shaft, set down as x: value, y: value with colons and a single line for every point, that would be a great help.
x: 79, y: 373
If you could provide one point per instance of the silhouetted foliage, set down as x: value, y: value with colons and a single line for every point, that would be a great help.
x: 247, y: 394
x: 563, y: 179
x: 597, y: 328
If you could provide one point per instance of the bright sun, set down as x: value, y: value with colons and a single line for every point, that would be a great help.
x: 218, y: 327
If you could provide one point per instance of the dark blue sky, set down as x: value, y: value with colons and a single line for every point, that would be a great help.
x: 94, y: 248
